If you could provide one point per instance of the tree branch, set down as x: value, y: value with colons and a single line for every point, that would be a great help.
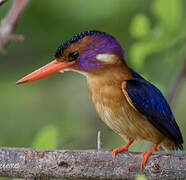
x: 2, y: 2
x: 176, y: 83
x: 99, y: 143
x: 88, y: 164
x: 8, y: 24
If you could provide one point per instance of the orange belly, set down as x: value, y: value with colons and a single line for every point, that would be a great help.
x: 114, y: 109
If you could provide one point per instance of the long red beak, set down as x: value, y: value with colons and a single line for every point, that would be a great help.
x: 46, y: 70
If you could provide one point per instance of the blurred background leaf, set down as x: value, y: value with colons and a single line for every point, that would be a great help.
x: 46, y: 138
x: 169, y: 14
x: 140, y: 26
x: 166, y: 32
x: 140, y: 177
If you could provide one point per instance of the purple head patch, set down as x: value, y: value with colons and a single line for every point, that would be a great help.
x: 92, y: 43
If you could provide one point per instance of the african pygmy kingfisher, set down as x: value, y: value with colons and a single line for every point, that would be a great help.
x: 130, y: 105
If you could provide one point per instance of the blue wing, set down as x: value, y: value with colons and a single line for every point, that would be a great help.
x: 150, y: 102
x: 135, y: 74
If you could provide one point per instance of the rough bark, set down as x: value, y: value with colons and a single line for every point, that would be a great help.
x: 88, y: 164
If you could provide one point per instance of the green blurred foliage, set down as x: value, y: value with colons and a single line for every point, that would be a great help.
x: 57, y: 112
x: 140, y: 26
x: 166, y: 33
x: 46, y: 138
x: 140, y: 177
x: 169, y: 14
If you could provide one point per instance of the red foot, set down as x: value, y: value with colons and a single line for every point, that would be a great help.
x: 147, y: 154
x: 121, y: 149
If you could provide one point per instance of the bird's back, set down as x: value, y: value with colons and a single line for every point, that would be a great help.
x: 148, y: 100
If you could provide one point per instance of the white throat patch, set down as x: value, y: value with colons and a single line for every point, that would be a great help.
x: 81, y: 72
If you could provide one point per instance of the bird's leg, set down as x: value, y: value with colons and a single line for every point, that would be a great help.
x: 147, y: 154
x: 121, y: 149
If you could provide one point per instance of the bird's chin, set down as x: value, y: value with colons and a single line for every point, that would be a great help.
x: 62, y: 71
x: 75, y: 70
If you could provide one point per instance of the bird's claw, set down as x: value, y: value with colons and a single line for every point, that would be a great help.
x: 146, y: 155
x: 118, y: 150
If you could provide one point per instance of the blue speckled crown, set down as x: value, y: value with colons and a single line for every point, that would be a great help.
x: 75, y: 39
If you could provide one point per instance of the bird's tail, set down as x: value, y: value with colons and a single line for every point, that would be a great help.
x: 172, y: 146
x: 179, y: 146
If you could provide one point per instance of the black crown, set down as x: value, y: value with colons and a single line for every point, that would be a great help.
x: 75, y: 39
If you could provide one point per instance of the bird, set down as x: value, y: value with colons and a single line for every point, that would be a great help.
x: 129, y: 104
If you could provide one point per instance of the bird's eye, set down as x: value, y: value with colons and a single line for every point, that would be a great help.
x: 73, y: 56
